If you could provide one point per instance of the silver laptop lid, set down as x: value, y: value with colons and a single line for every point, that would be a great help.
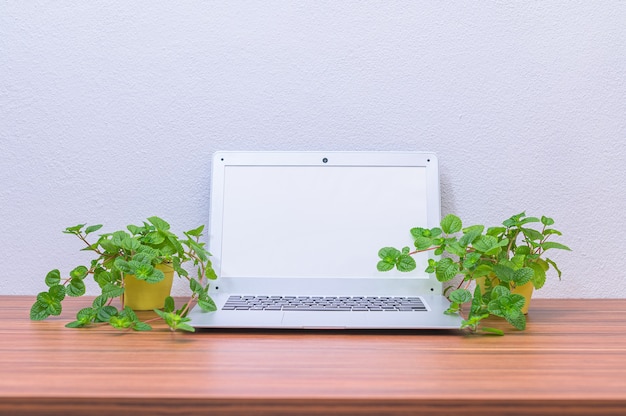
x: 311, y: 223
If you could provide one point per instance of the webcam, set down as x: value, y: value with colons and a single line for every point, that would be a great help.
x: 325, y: 160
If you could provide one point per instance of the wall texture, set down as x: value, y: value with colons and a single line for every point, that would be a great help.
x: 110, y: 111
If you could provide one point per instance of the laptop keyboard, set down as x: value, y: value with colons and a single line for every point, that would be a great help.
x: 325, y: 303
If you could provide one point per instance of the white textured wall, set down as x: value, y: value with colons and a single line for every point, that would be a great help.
x: 110, y: 112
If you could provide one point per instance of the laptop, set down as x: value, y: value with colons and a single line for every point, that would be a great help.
x: 295, y: 238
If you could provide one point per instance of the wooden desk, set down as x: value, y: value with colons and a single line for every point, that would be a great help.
x: 571, y: 360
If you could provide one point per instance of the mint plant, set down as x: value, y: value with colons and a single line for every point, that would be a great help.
x: 498, y: 260
x: 135, y: 251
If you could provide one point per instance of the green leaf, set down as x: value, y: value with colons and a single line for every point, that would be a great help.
x: 108, y: 246
x: 120, y: 322
x: 532, y: 234
x: 493, y: 331
x: 207, y: 304
x: 50, y: 302
x: 476, y: 309
x: 495, y: 231
x: 154, y: 238
x: 170, y: 305
x: 528, y: 220
x: 160, y: 224
x: 209, y: 271
x: 118, y: 237
x: 195, y: 286
x: 523, y: 275
x: 553, y: 264
x: 432, y: 264
x: 86, y: 315
x: 53, y: 278
x: 383, y: 266
x: 79, y: 272
x: 547, y: 221
x: 57, y: 292
x: 74, y: 230
x: 473, y: 321
x: 155, y: 276
x: 550, y: 244
x: 76, y: 287
x: 482, y: 270
x: 389, y: 256
x: 92, y: 228
x: 102, y: 277
x: 509, y: 308
x: 141, y: 326
x: 196, y: 232
x: 419, y: 232
x: 196, y: 247
x: 461, y: 296
x: 170, y: 318
x: 423, y: 243
x: 539, y: 277
x: 499, y: 291
x: 504, y: 273
x: 123, y: 266
x: 127, y: 311
x: 470, y: 234
x: 135, y: 230
x: 145, y: 252
x: 176, y: 263
x: 163, y: 314
x: 517, y: 261
x: 130, y: 243
x: 435, y: 232
x: 487, y: 244
x: 142, y: 271
x: 515, y: 317
x: 550, y: 231
x: 111, y: 290
x: 124, y: 319
x: 186, y: 327
x: 39, y: 311
x: 99, y: 301
x: 406, y: 263
x: 75, y: 324
x: 472, y: 260
x: 446, y: 270
x: 105, y: 313
x: 513, y: 221
x: 455, y: 248
x: 451, y: 224
x: 92, y: 247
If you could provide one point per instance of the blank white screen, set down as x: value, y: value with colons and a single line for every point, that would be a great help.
x: 318, y: 221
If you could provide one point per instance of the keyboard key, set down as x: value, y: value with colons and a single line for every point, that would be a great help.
x: 325, y: 303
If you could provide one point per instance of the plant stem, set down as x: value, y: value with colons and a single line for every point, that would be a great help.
x: 422, y: 251
x: 84, y: 239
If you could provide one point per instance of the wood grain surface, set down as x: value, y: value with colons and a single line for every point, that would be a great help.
x: 570, y: 360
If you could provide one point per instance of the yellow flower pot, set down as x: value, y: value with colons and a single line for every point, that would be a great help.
x: 525, y: 290
x: 140, y: 295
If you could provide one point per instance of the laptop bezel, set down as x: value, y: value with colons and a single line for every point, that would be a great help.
x: 387, y: 285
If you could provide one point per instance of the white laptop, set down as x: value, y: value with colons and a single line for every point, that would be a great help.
x: 295, y: 239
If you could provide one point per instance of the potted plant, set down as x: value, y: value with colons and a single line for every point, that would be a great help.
x: 141, y: 257
x: 506, y: 263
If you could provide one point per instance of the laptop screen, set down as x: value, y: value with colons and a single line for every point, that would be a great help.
x: 318, y: 221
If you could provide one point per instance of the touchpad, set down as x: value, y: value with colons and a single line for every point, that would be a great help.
x: 315, y: 320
